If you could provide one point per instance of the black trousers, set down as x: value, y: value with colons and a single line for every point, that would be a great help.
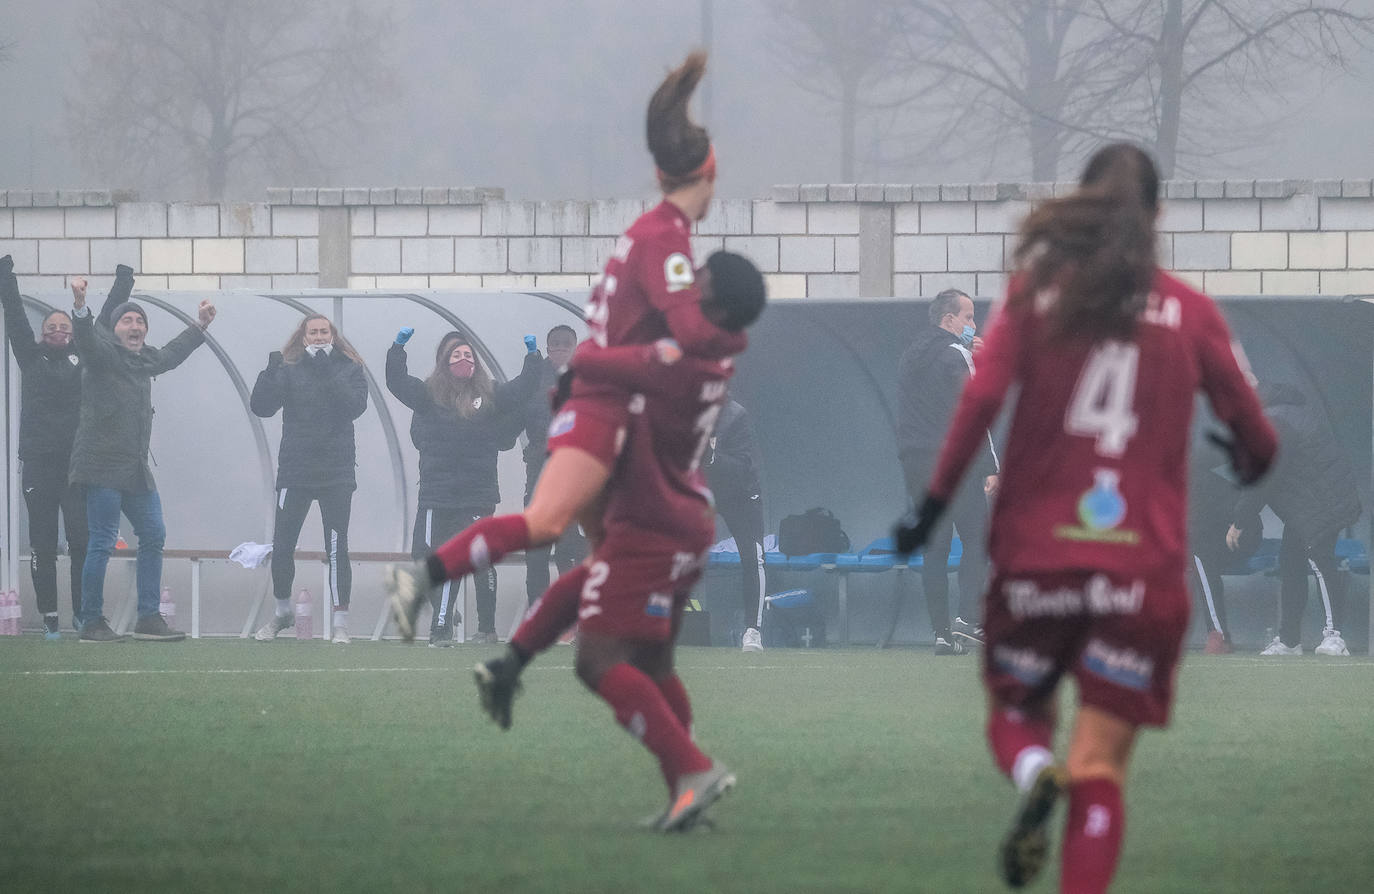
x: 46, y: 492
x: 744, y: 520
x: 293, y: 503
x: 1297, y: 557
x: 433, y: 527
x: 1210, y: 556
x: 967, y: 512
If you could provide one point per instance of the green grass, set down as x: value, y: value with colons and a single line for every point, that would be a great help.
x: 233, y: 766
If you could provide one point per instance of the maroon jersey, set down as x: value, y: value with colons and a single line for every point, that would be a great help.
x: 1094, y: 473
x: 658, y: 487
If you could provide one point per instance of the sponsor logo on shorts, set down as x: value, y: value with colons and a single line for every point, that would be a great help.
x: 660, y: 605
x: 1023, y: 664
x: 1122, y: 666
x: 1099, y: 596
x: 562, y: 423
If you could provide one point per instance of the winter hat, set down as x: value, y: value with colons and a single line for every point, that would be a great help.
x: 125, y: 308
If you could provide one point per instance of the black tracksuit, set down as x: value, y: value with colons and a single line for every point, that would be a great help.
x: 320, y: 396
x: 732, y: 471
x: 930, y: 377
x: 571, y: 547
x: 458, y: 456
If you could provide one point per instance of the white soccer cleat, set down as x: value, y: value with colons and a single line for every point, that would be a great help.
x: 1332, y: 644
x: 269, y: 631
x: 694, y: 793
x: 341, y: 636
x: 752, y: 640
x: 1278, y: 648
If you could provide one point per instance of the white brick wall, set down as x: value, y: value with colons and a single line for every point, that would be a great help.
x: 89, y: 223
x: 1316, y: 251
x: 429, y: 255
x: 38, y: 223
x: 920, y: 253
x: 270, y: 255
x: 400, y: 220
x: 62, y: 256
x: 192, y: 220
x: 1259, y: 251
x: 807, y: 254
x: 453, y: 220
x: 165, y: 256
x: 948, y: 217
x: 217, y: 255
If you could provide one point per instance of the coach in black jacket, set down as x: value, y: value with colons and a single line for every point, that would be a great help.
x: 318, y: 383
x: 462, y: 421
x: 732, y: 471
x: 930, y: 377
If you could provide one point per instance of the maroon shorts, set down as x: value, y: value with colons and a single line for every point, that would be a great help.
x: 1118, y: 636
x: 595, y: 426
x: 637, y: 587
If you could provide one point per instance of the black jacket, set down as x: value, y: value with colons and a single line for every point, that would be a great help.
x: 458, y: 454
x: 538, y: 416
x: 1312, y: 485
x: 930, y: 377
x: 732, y: 460
x: 111, y: 448
x: 319, y: 397
x: 50, y: 390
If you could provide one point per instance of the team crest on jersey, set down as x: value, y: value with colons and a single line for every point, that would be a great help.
x: 660, y: 605
x: 477, y: 402
x: 1101, y: 509
x: 677, y: 272
x: 74, y: 359
x: 562, y: 423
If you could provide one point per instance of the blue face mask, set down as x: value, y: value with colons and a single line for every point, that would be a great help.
x: 967, y: 335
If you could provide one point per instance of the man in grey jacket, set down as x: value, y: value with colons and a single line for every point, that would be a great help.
x: 110, y: 456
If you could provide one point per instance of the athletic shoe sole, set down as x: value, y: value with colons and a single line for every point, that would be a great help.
x: 159, y: 637
x: 492, y: 706
x: 1026, y: 846
x: 969, y: 638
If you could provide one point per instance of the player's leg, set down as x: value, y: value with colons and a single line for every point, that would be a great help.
x: 1099, y: 753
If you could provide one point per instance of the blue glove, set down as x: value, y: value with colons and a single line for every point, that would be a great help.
x: 531, y: 343
x: 404, y: 335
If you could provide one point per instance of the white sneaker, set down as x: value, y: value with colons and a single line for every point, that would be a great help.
x: 341, y: 636
x: 269, y: 631
x: 1278, y: 648
x: 1332, y: 644
x: 753, y: 640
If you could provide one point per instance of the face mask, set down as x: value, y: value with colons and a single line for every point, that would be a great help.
x: 57, y: 339
x: 462, y: 368
x: 967, y: 335
x: 316, y: 349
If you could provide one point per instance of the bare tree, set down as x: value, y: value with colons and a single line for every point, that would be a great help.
x: 1219, y: 57
x: 199, y: 94
x: 842, y: 52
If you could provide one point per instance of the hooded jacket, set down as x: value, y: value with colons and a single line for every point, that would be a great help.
x: 1312, y: 485
x: 930, y: 376
x: 732, y: 462
x: 319, y: 395
x: 458, y: 454
x: 50, y: 390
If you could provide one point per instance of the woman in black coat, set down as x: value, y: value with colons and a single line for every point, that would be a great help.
x: 462, y: 421
x: 318, y: 383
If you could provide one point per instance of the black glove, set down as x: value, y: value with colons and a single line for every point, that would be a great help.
x: 561, y: 391
x: 275, y: 360
x: 6, y: 265
x: 913, y: 529
x: 1245, y: 467
x: 124, y: 270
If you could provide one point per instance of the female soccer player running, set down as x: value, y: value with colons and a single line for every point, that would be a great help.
x: 1088, y: 532
x: 648, y: 291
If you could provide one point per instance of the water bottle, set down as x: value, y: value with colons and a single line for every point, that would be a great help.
x: 10, y: 612
x: 167, y: 608
x: 303, y: 627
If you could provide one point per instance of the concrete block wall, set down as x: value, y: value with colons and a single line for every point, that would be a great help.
x: 1289, y: 237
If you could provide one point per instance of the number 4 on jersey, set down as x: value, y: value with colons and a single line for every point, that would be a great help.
x: 1102, y: 399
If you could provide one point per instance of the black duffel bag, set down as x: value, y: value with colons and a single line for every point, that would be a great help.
x: 813, y: 531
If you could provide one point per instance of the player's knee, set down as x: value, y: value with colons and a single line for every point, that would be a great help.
x: 1081, y: 768
x: 545, y: 525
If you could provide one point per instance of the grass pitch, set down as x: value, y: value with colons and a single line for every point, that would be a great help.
x: 240, y: 766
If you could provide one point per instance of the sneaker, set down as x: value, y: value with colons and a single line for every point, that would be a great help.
x: 752, y: 640
x: 1026, y: 846
x: 441, y: 637
x: 1332, y: 644
x: 98, y: 631
x: 498, y: 683
x: 153, y: 628
x: 949, y: 646
x: 484, y: 638
x: 341, y: 636
x: 693, y: 794
x: 269, y: 631
x: 1278, y: 648
x: 51, y: 633
x: 1217, y: 644
x: 970, y: 634
x: 405, y: 591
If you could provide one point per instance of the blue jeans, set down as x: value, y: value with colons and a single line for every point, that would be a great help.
x: 144, y: 511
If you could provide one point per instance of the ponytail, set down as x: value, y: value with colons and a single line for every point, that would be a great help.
x: 681, y: 148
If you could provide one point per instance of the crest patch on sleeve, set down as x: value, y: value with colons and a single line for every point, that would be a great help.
x: 677, y: 272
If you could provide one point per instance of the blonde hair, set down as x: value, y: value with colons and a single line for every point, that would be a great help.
x: 295, y: 345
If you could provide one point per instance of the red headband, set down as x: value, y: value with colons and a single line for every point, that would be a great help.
x: 706, y: 169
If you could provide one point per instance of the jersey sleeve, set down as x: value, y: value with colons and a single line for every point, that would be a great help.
x: 1233, y: 400
x: 664, y: 266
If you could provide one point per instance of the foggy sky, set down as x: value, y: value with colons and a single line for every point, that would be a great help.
x: 546, y: 98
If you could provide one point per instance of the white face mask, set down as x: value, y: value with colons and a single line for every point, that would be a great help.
x: 316, y: 349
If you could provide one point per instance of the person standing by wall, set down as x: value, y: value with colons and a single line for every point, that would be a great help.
x: 930, y: 377
x: 110, y: 454
x: 732, y: 471
x: 317, y: 382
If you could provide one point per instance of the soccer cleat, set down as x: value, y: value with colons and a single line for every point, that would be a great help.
x: 1026, y: 846
x: 268, y: 632
x: 969, y: 634
x: 1332, y: 644
x: 752, y: 640
x: 51, y: 633
x: 949, y: 646
x: 498, y: 683
x: 98, y: 631
x: 1217, y: 644
x: 1278, y: 648
x: 405, y: 593
x: 341, y: 636
x: 693, y: 794
x: 154, y: 629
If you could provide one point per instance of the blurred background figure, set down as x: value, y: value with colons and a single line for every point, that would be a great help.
x: 1212, y: 497
x: 462, y: 420
x: 317, y: 382
x: 732, y: 471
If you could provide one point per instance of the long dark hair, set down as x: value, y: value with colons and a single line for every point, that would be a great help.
x: 451, y: 392
x: 1095, y: 247
x: 678, y: 144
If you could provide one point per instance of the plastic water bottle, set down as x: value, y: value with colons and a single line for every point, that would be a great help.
x: 11, y: 613
x: 167, y: 608
x: 303, y: 626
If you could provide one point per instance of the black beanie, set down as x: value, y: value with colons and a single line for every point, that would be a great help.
x: 125, y: 308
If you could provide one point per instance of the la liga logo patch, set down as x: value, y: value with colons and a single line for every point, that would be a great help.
x: 677, y: 272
